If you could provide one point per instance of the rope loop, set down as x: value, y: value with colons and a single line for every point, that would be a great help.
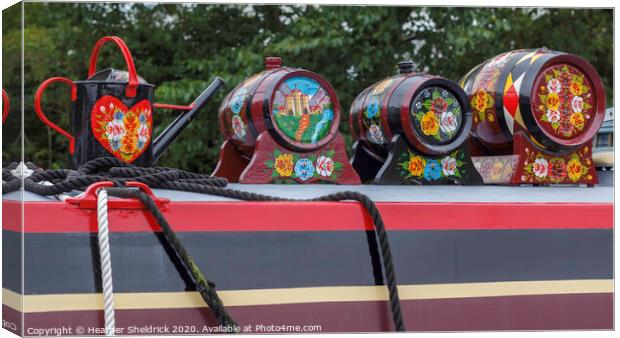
x: 61, y: 181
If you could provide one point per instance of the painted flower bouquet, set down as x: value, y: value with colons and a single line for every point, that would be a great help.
x: 437, y: 113
x: 539, y: 168
x: 565, y: 101
x: 418, y: 167
x: 291, y: 166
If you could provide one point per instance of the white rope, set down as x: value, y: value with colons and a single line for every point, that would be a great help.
x: 106, y: 265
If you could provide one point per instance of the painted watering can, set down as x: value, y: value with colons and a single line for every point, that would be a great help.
x: 112, y: 113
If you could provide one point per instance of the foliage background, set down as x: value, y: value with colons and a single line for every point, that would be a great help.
x: 180, y: 48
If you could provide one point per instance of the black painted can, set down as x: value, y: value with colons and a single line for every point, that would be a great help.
x: 87, y: 119
x: 112, y: 113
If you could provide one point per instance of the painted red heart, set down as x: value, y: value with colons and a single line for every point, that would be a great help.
x: 124, y: 132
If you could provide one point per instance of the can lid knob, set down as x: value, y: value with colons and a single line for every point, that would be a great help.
x: 273, y: 62
x: 405, y: 67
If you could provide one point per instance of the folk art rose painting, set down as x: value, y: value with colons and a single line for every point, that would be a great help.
x: 371, y: 117
x: 124, y: 132
x: 421, y: 168
x: 437, y: 114
x: 293, y: 166
x: 565, y: 101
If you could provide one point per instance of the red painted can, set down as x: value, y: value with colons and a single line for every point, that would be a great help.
x: 556, y: 98
x: 298, y: 107
x: 431, y: 112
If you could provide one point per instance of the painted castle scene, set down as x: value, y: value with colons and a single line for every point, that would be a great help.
x: 303, y: 110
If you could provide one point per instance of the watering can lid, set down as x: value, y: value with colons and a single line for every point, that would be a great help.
x: 114, y: 75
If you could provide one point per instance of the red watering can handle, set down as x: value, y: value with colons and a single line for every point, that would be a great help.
x: 37, y: 107
x: 131, y: 68
x: 5, y: 104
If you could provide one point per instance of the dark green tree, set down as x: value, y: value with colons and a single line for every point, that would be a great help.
x: 180, y: 48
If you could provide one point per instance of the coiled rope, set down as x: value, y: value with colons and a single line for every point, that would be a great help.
x: 10, y: 182
x: 111, y: 169
x: 60, y: 181
x: 103, y: 236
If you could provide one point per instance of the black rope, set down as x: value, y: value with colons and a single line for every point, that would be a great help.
x: 203, y: 286
x: 119, y: 172
x: 367, y: 203
x: 104, y: 169
x: 10, y: 182
x: 210, y: 295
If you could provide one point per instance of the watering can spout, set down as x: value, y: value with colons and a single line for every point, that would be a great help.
x: 163, y: 141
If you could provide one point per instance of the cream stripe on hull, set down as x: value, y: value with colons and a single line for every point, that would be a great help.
x: 171, y: 300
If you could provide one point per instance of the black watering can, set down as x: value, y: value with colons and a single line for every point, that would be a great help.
x: 112, y: 113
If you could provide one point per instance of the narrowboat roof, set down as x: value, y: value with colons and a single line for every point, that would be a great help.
x: 397, y: 194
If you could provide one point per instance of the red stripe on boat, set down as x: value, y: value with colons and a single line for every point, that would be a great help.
x: 314, y: 216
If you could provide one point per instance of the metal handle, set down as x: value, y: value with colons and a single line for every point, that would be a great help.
x: 163, y: 141
x: 5, y: 103
x: 131, y: 68
x: 198, y: 103
x: 39, y: 111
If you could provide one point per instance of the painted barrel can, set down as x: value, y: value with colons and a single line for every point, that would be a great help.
x: 556, y: 98
x: 298, y: 107
x: 431, y: 112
